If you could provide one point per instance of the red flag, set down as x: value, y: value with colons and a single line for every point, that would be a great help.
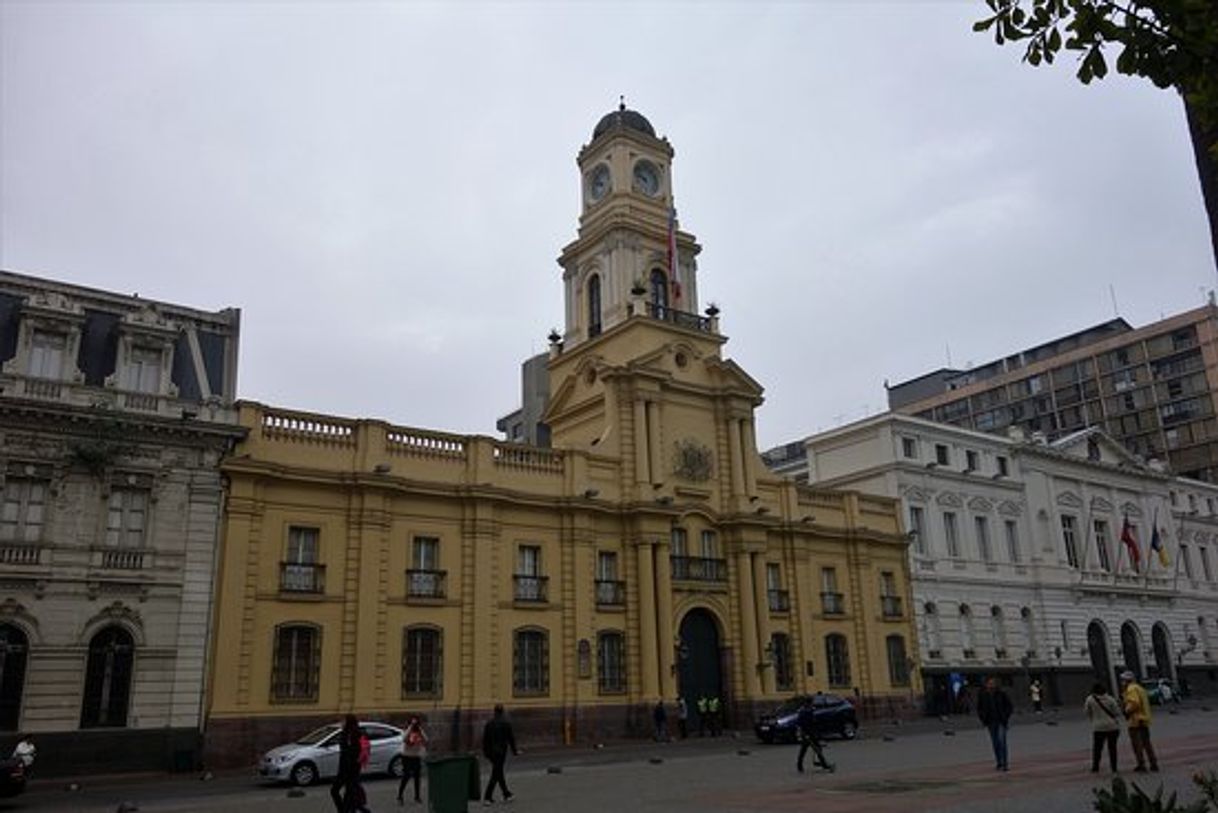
x: 1135, y: 554
x: 674, y: 282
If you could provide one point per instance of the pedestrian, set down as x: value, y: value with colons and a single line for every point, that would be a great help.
x: 25, y: 751
x: 702, y: 712
x: 1034, y: 691
x: 414, y: 748
x: 660, y: 717
x: 1105, y: 716
x: 994, y: 709
x: 682, y: 717
x: 714, y: 710
x: 357, y: 799
x: 342, y: 790
x: 1137, y: 714
x: 808, y: 731
x: 497, y: 738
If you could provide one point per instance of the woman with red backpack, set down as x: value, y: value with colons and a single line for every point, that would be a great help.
x: 414, y: 748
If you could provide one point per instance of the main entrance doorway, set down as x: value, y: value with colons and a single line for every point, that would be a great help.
x: 699, y: 658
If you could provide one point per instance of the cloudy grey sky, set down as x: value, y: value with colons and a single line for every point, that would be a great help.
x: 383, y: 188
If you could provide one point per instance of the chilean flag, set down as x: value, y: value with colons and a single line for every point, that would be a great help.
x: 1135, y: 554
x: 673, y: 279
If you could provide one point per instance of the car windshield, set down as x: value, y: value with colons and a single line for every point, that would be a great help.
x: 791, y: 706
x: 315, y: 737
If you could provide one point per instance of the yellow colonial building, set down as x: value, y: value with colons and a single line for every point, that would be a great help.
x: 644, y: 554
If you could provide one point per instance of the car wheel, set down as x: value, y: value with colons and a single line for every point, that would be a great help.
x: 850, y: 730
x: 304, y: 773
x: 396, y: 768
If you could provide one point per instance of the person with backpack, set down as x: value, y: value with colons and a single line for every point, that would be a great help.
x: 414, y: 749
x: 1104, y: 713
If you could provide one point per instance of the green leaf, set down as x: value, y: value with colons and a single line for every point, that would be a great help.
x: 1055, y: 40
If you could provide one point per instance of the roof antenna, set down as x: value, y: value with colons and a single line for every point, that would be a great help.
x: 621, y: 105
x: 1112, y: 292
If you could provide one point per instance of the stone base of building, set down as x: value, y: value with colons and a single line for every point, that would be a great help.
x: 64, y: 754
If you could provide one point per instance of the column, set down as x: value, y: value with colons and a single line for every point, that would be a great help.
x: 748, y: 625
x: 641, y: 468
x: 653, y: 442
x: 748, y: 451
x: 733, y: 436
x: 647, y: 624
x: 761, y: 598
x: 666, y: 651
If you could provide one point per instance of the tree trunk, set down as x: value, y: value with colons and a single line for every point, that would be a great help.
x: 1204, y: 140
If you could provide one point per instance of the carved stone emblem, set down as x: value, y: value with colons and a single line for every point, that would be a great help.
x: 693, y: 461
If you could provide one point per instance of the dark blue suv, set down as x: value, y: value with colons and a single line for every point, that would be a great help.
x: 834, y: 715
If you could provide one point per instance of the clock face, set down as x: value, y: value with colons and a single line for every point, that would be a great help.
x: 646, y: 178
x: 599, y: 183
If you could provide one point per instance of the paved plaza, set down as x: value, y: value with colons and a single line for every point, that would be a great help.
x: 905, y: 768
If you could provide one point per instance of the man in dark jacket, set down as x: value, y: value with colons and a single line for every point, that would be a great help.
x: 497, y: 738
x: 994, y: 709
x: 809, y: 737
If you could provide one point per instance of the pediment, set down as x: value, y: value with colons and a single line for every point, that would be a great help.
x: 1068, y: 499
x: 915, y: 494
x: 1010, y: 508
x: 1094, y: 445
x: 949, y: 499
x: 569, y: 391
x: 1131, y: 509
x: 1099, y: 505
x: 981, y: 505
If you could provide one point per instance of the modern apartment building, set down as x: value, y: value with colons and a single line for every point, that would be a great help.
x: 1151, y: 388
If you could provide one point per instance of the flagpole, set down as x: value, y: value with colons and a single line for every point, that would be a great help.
x: 1082, y: 565
x: 1179, y: 555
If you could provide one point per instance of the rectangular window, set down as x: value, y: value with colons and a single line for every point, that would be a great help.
x: 1012, y: 540
x: 1187, y: 560
x: 983, y: 539
x: 780, y: 652
x: 909, y: 448
x: 1003, y: 468
x: 611, y: 663
x: 680, y: 542
x: 301, y: 572
x: 421, y: 662
x: 890, y: 602
x: 971, y: 460
x: 951, y: 534
x: 837, y: 660
x: 609, y: 589
x: 125, y: 518
x: 710, y: 545
x: 898, y: 664
x: 828, y: 579
x: 1101, y: 544
x: 144, y: 370
x: 21, y: 516
x: 941, y: 455
x: 425, y: 553
x: 1204, y: 552
x: 830, y: 599
x: 1070, y: 540
x: 425, y: 579
x: 46, y: 354
x: 302, y: 545
x: 888, y: 583
x: 606, y: 565
x: 531, y: 661
x: 530, y: 584
x: 297, y: 663
x: 528, y: 560
x: 917, y: 527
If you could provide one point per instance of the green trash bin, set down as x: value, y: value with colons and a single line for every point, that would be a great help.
x: 452, y: 781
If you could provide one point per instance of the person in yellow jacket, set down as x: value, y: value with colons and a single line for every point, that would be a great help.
x: 1137, y: 713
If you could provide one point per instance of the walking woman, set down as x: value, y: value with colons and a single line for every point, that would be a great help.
x: 414, y: 748
x: 1104, y: 713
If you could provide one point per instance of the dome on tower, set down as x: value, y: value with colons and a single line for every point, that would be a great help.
x: 623, y: 117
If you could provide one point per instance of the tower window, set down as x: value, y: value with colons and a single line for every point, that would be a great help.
x: 594, y: 306
x: 659, y: 291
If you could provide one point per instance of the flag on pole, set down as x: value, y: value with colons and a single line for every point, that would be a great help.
x: 1135, y: 555
x: 674, y: 281
x: 1156, y: 543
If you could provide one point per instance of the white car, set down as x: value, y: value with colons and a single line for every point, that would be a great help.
x: 315, y: 755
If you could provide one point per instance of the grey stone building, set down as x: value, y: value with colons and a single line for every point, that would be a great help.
x: 114, y: 414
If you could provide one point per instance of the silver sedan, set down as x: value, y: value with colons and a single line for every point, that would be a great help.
x: 315, y: 755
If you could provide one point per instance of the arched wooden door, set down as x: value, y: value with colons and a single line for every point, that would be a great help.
x: 1097, y: 647
x: 699, y: 655
x: 1131, y: 649
x: 1160, y: 640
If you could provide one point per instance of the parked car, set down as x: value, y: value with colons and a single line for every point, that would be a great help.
x: 315, y: 755
x: 12, y: 777
x: 834, y: 715
x: 1161, y: 691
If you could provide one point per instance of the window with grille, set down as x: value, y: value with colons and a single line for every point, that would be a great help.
x: 531, y: 662
x: 296, y: 665
x: 126, y: 514
x: 898, y: 665
x: 837, y: 660
x: 422, y: 661
x: 21, y: 516
x: 1069, y: 540
x: 611, y: 662
x: 108, y: 679
x: 784, y: 672
x: 14, y: 649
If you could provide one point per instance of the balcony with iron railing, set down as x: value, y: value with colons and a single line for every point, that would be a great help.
x: 891, y: 606
x: 531, y: 589
x: 685, y: 319
x: 299, y: 578
x: 698, y: 569
x: 610, y: 593
x: 780, y: 601
x: 832, y: 603
x: 422, y: 583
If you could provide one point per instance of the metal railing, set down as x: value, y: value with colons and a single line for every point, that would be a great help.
x: 679, y: 318
x: 123, y: 559
x: 832, y: 603
x: 610, y: 592
x: 698, y: 569
x: 295, y: 577
x: 426, y: 583
x: 531, y: 588
x: 780, y: 601
x: 19, y: 554
x: 891, y: 606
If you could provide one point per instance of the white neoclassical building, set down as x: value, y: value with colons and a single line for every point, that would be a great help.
x: 1016, y: 553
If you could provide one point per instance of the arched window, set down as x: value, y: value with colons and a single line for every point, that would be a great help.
x: 1029, y: 631
x: 659, y: 292
x: 296, y: 667
x: 1000, y: 631
x: 108, y: 679
x: 780, y: 652
x: 933, y: 627
x: 611, y: 662
x: 422, y: 662
x: 1131, y: 649
x: 531, y: 662
x: 14, y: 649
x: 898, y: 663
x: 837, y: 660
x: 594, y: 305
x: 967, y: 638
x: 1160, y: 642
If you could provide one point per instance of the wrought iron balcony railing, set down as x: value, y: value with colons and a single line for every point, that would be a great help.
x: 295, y: 577
x: 679, y: 318
x: 780, y: 601
x: 426, y: 583
x: 531, y: 588
x: 891, y: 606
x: 832, y: 603
x: 698, y: 569
x: 610, y: 593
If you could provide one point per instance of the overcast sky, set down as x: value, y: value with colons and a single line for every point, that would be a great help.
x: 383, y: 188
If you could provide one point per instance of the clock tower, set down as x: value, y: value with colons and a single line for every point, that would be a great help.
x: 628, y: 232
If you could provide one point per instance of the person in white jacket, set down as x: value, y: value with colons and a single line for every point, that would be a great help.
x: 25, y: 751
x: 414, y: 748
x: 1104, y: 712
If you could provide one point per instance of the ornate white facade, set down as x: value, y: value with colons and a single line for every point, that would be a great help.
x: 1016, y: 556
